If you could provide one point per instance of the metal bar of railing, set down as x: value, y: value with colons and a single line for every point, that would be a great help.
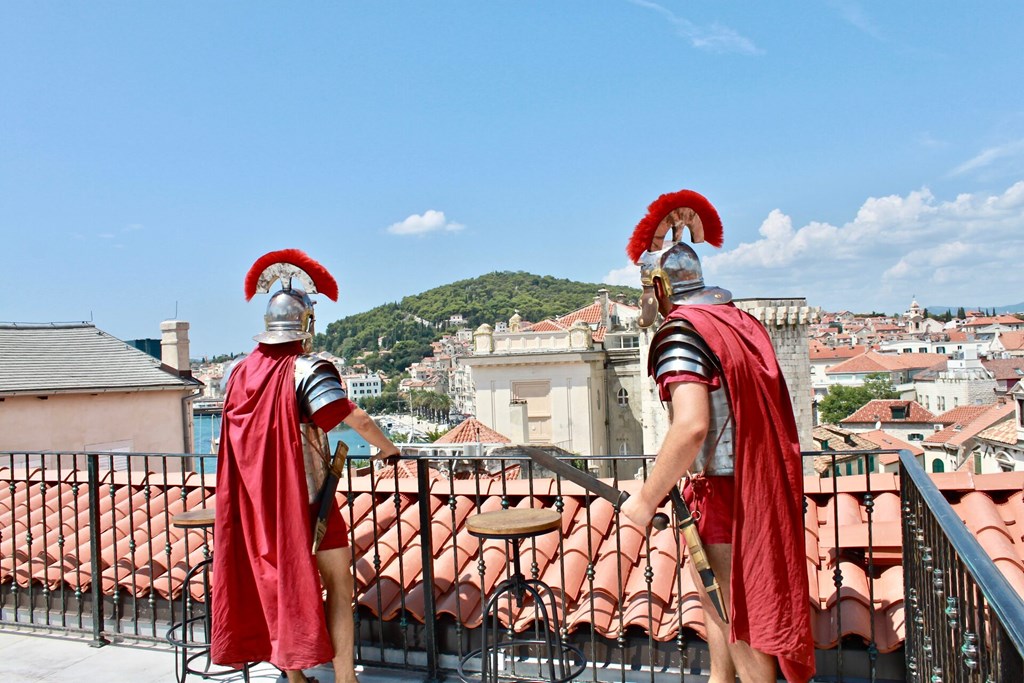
x: 95, y: 583
x: 991, y: 640
x: 945, y: 566
x: 427, y: 555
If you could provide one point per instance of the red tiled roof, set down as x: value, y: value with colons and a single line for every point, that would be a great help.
x: 880, y: 410
x: 881, y: 439
x: 960, y: 414
x: 1011, y: 341
x: 547, y: 326
x: 959, y: 432
x: 819, y: 351
x: 872, y: 361
x: 984, y: 321
x: 1001, y: 432
x: 472, y: 430
x: 388, y: 572
x: 1006, y: 369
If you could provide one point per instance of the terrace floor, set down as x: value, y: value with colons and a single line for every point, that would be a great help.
x: 31, y: 658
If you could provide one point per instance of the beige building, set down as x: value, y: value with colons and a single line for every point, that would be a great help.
x: 70, y: 387
x: 580, y: 382
x: 571, y: 382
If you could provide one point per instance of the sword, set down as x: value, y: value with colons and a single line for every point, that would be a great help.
x: 327, y: 491
x: 660, y: 521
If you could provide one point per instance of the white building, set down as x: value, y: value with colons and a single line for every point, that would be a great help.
x: 362, y: 386
x: 964, y: 382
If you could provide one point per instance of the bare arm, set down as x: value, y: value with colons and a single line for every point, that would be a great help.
x: 361, y: 421
x: 686, y: 433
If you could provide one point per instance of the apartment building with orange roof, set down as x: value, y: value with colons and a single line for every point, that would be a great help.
x: 948, y: 449
x: 906, y: 420
x: 1007, y: 345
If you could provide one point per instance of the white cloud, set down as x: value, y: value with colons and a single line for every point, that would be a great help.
x: 964, y: 249
x: 713, y: 38
x: 854, y: 14
x: 429, y: 221
x: 1013, y: 151
x: 627, y: 276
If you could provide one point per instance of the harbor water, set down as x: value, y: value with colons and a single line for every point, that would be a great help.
x: 207, y: 433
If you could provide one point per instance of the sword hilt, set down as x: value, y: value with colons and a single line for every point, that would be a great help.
x: 660, y: 520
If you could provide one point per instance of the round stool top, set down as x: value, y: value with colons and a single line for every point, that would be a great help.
x: 194, y: 519
x: 518, y: 523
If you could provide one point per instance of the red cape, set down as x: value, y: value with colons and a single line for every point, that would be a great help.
x: 769, y: 592
x: 266, y: 603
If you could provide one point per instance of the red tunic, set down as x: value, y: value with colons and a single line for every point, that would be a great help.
x: 267, y: 601
x: 770, y: 603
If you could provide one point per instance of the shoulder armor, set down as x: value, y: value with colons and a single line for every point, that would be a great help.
x: 317, y: 383
x: 677, y: 347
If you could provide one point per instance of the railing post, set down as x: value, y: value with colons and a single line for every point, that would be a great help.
x: 427, y: 554
x: 96, y: 587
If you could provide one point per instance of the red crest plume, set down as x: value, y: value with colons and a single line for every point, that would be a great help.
x: 315, y: 275
x: 661, y: 207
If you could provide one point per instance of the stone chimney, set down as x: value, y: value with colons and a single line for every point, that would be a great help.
x: 602, y: 301
x: 174, y: 347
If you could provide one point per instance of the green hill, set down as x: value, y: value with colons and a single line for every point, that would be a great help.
x: 403, y: 330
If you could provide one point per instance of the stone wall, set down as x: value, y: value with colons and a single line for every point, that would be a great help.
x: 787, y: 321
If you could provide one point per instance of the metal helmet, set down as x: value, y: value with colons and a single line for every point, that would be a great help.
x: 674, y: 264
x: 289, y: 314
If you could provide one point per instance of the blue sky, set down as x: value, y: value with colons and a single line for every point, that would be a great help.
x: 859, y: 153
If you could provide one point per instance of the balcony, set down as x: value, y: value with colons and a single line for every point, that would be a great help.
x: 901, y: 587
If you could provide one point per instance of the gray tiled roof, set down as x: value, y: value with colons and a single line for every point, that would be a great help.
x: 42, y: 358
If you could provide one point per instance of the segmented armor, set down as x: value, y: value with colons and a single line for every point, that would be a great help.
x: 677, y: 347
x: 317, y: 384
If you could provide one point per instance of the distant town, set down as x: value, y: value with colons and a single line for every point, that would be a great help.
x: 947, y: 387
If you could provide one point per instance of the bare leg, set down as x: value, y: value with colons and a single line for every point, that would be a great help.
x: 335, y: 567
x: 729, y: 659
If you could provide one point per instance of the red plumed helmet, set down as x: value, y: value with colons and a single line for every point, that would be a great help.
x: 650, y: 226
x: 289, y: 263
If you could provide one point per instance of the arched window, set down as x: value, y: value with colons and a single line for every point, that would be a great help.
x: 938, y: 465
x: 623, y: 397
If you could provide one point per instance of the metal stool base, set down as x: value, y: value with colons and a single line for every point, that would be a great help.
x: 545, y: 655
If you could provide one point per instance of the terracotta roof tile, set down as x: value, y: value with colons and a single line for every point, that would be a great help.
x: 472, y: 430
x: 389, y: 574
x: 881, y: 410
x: 959, y: 432
x: 1002, y: 432
x: 960, y: 414
x: 1006, y: 369
x: 886, y: 441
x: 1011, y: 341
x: 819, y: 351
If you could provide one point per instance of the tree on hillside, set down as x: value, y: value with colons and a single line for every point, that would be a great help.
x: 843, y: 401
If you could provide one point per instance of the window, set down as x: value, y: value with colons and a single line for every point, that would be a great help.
x: 940, y: 349
x: 915, y: 437
x: 623, y: 397
x: 629, y: 342
x: 898, y: 412
x: 938, y: 465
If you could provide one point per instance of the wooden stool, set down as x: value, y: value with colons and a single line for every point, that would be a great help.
x: 557, y: 661
x: 182, y: 635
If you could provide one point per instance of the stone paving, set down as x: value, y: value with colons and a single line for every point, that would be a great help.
x: 31, y: 658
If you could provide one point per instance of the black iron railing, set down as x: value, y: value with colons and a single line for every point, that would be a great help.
x: 70, y: 523
x: 964, y: 620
